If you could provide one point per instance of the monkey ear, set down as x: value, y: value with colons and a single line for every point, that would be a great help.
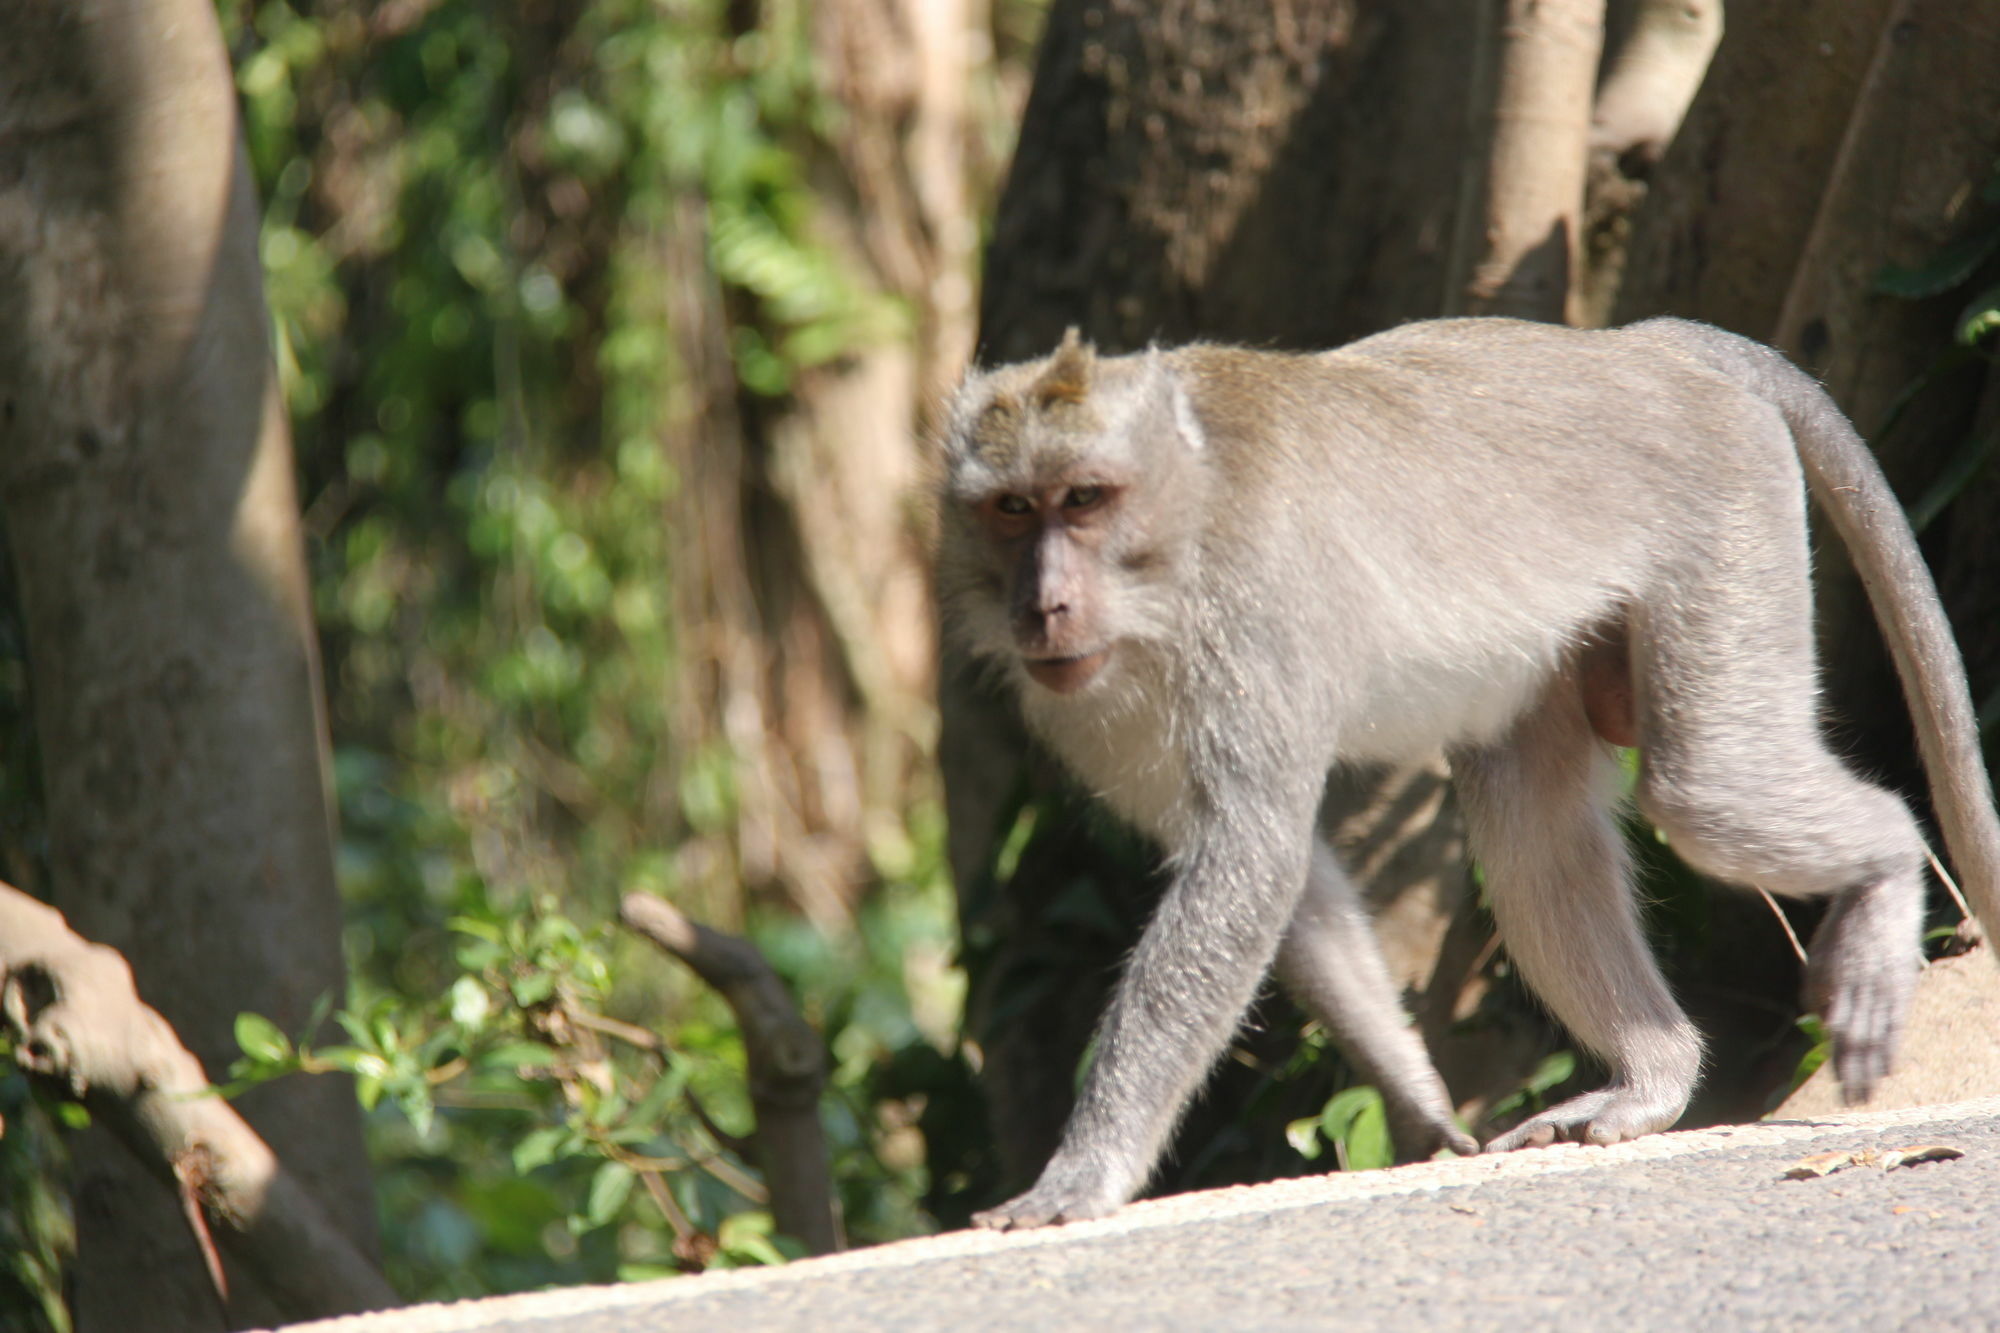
x: 1066, y: 379
x: 1168, y: 380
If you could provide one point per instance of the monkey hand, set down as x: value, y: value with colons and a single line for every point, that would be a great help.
x: 1421, y: 1126
x: 1433, y: 1137
x: 1061, y: 1195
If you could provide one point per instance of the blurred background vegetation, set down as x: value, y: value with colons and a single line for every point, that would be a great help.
x: 477, y: 222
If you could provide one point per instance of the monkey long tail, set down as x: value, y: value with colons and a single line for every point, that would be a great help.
x: 1847, y: 483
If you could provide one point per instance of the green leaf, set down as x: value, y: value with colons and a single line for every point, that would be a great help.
x: 261, y: 1040
x: 746, y: 1238
x: 1966, y: 463
x: 1303, y: 1135
x: 1946, y: 269
x: 1355, y: 1123
x: 1552, y: 1072
x: 1980, y: 317
x: 609, y: 1189
x: 533, y: 988
x: 518, y: 1055
x: 1816, y: 1054
x: 473, y: 926
x: 538, y: 1148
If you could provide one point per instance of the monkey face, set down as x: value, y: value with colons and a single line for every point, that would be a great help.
x: 1053, y: 543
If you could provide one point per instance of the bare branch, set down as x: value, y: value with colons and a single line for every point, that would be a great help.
x: 786, y: 1060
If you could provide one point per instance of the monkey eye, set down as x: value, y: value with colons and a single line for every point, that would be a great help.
x: 1013, y: 505
x: 1083, y: 497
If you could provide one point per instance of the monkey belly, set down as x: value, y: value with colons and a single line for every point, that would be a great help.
x: 1419, y: 705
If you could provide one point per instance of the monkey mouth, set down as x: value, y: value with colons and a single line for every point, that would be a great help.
x: 1066, y: 675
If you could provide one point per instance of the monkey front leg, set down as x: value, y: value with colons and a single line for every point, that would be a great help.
x: 1194, y: 973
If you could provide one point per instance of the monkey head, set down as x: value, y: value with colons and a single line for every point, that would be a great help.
x: 1067, y: 493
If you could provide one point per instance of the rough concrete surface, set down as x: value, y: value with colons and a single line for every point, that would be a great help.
x: 1691, y: 1230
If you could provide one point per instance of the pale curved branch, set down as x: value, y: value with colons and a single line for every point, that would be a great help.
x: 76, y: 1019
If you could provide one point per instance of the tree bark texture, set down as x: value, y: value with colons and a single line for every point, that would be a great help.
x: 803, y: 559
x: 1656, y: 54
x: 1283, y: 177
x: 146, y: 477
x: 1651, y: 73
x: 1522, y: 241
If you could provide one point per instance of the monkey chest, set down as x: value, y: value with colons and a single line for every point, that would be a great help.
x: 1129, y: 756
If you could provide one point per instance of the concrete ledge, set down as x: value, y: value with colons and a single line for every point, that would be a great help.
x: 787, y: 1294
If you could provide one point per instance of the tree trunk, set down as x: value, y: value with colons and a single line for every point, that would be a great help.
x: 1285, y: 178
x: 804, y: 560
x: 1522, y: 259
x: 147, y: 483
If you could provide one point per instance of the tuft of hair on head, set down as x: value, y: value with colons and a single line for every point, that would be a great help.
x: 996, y: 429
x: 1066, y: 379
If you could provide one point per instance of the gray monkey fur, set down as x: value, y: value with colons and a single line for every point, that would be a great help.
x: 1212, y: 574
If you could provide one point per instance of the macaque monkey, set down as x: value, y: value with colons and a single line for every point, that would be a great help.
x: 1211, y: 574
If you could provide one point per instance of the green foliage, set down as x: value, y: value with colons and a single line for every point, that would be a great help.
x: 1533, y: 1094
x: 524, y: 1136
x: 516, y: 1118
x: 36, y: 1233
x: 1819, y: 1047
x: 469, y: 214
x: 1970, y: 267
x: 1354, y: 1122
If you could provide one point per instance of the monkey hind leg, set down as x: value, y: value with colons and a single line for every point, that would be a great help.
x: 1736, y: 776
x: 1538, y: 809
x: 1332, y: 965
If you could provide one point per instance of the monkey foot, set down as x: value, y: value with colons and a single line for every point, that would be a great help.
x: 1861, y: 978
x: 1609, y: 1115
x: 1049, y: 1203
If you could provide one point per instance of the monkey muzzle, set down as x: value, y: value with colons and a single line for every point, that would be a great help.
x: 1066, y: 675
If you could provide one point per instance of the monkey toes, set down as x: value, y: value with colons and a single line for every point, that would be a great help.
x: 1863, y: 970
x: 1609, y: 1115
x: 1865, y: 1015
x: 1046, y: 1205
